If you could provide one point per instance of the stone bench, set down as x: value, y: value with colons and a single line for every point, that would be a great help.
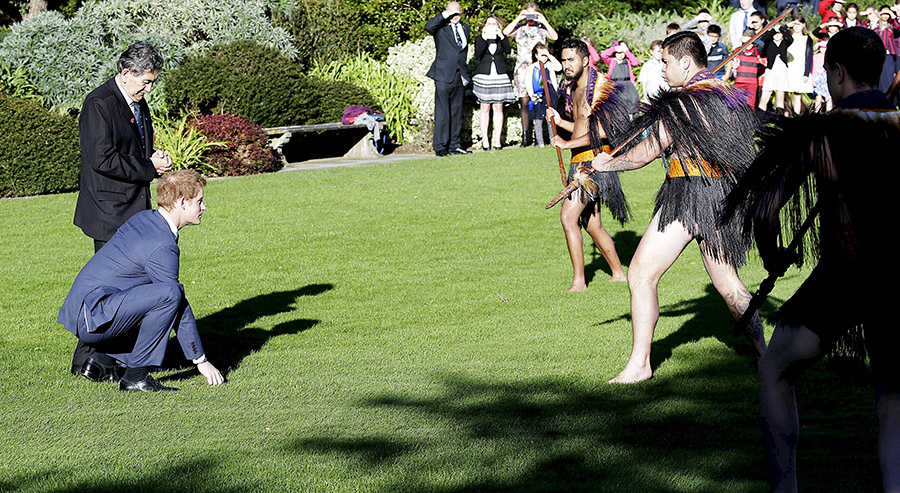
x: 363, y: 148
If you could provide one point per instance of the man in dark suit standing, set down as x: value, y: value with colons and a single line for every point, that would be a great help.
x: 118, y: 160
x: 451, y: 40
x: 127, y: 299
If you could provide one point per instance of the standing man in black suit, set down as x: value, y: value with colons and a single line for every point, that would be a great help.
x: 118, y: 160
x: 451, y: 41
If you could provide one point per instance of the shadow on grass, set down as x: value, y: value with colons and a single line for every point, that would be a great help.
x: 228, y: 335
x: 696, y: 431
x: 626, y: 243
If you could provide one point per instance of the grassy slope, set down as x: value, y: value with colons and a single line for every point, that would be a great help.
x: 403, y: 326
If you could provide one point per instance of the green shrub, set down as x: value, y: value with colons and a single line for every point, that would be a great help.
x: 14, y: 82
x: 322, y: 30
x: 39, y: 149
x: 259, y: 84
x: 185, y: 144
x: 244, y: 148
x: 67, y: 58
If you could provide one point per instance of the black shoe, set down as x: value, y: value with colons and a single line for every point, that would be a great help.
x: 460, y: 151
x: 485, y: 148
x: 96, y: 372
x: 148, y: 384
x: 440, y: 153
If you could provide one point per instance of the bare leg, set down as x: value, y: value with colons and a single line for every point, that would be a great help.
x: 523, y: 112
x: 539, y: 132
x: 797, y: 103
x: 887, y: 403
x: 779, y: 101
x: 791, y: 351
x: 656, y: 252
x: 737, y: 297
x: 764, y: 99
x: 607, y: 247
x: 485, y: 120
x: 569, y: 213
x: 498, y: 125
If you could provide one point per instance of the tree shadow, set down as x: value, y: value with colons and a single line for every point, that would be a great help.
x: 626, y: 243
x: 228, y: 335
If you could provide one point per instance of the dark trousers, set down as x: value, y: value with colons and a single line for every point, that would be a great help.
x: 138, y: 335
x: 82, y: 351
x: 448, y: 105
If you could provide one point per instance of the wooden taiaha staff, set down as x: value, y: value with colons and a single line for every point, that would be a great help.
x: 562, y: 167
x: 565, y: 192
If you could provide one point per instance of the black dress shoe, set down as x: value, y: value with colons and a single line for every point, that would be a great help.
x: 440, y: 153
x: 148, y: 384
x: 460, y: 151
x: 97, y: 372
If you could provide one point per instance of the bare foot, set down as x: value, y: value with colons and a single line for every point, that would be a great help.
x: 617, y: 278
x: 577, y: 286
x: 633, y: 374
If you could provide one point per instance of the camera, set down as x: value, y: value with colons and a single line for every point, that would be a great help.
x: 530, y: 17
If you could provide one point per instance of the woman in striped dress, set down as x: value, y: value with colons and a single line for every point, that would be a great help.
x: 492, y: 85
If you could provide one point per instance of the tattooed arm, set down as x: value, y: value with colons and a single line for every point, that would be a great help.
x: 638, y: 157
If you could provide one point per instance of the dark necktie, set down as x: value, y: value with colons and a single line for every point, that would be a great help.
x: 456, y: 33
x: 139, y: 120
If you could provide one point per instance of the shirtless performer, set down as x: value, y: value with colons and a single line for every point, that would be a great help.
x: 705, y: 131
x: 815, y: 159
x: 599, y: 118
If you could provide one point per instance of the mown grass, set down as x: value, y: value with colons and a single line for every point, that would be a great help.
x: 404, y: 327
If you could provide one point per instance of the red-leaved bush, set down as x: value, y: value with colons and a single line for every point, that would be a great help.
x: 246, y: 150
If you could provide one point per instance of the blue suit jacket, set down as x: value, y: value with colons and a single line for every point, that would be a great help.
x: 142, y: 251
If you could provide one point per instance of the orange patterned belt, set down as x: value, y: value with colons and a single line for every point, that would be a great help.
x: 589, y: 154
x: 692, y: 168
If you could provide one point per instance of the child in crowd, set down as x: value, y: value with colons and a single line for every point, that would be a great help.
x: 537, y: 106
x: 701, y: 25
x: 746, y: 68
x: 672, y: 29
x: 831, y: 9
x: 717, y: 53
x: 851, y: 16
x: 621, y: 62
x: 820, y: 80
x: 651, y: 78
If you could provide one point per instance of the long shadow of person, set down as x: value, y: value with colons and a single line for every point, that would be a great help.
x: 228, y: 336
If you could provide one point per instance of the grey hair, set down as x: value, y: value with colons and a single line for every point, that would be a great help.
x: 139, y: 58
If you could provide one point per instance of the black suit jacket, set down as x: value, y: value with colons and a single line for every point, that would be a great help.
x: 116, y: 169
x: 449, y: 60
x: 486, y: 59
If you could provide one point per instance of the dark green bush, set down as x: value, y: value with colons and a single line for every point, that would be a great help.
x: 259, y: 84
x: 39, y: 149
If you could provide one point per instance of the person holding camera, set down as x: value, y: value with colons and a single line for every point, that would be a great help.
x: 451, y: 41
x: 535, y: 30
x: 492, y: 85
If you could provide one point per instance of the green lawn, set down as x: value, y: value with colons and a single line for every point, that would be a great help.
x: 404, y: 327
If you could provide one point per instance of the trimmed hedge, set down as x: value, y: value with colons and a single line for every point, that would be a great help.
x: 259, y: 84
x: 246, y: 150
x: 39, y: 149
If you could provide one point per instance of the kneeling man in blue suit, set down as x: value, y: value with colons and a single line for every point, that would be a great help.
x: 127, y: 299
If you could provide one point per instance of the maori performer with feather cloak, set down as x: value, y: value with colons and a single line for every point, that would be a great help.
x: 598, y: 117
x: 839, y: 166
x: 705, y: 132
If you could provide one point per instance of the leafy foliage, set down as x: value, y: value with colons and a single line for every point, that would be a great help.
x: 259, y: 84
x: 67, y: 58
x: 14, y: 83
x: 185, y: 143
x: 391, y: 90
x: 39, y: 149
x: 243, y: 148
x: 323, y: 31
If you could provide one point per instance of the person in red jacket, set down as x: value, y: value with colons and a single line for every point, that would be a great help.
x: 831, y: 9
x: 746, y: 67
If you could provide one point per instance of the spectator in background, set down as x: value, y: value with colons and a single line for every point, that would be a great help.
x: 700, y: 24
x: 539, y: 101
x: 757, y: 5
x: 829, y: 28
x: 594, y: 57
x: 717, y: 54
x: 451, y: 39
x: 739, y: 22
x: 775, y: 52
x: 888, y: 29
x: 534, y: 29
x: 746, y: 68
x: 831, y: 9
x: 118, y: 160
x: 800, y: 58
x: 757, y: 21
x: 620, y: 61
x: 820, y: 77
x: 870, y: 16
x: 672, y: 28
x: 651, y: 76
x: 851, y: 16
x: 493, y: 88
